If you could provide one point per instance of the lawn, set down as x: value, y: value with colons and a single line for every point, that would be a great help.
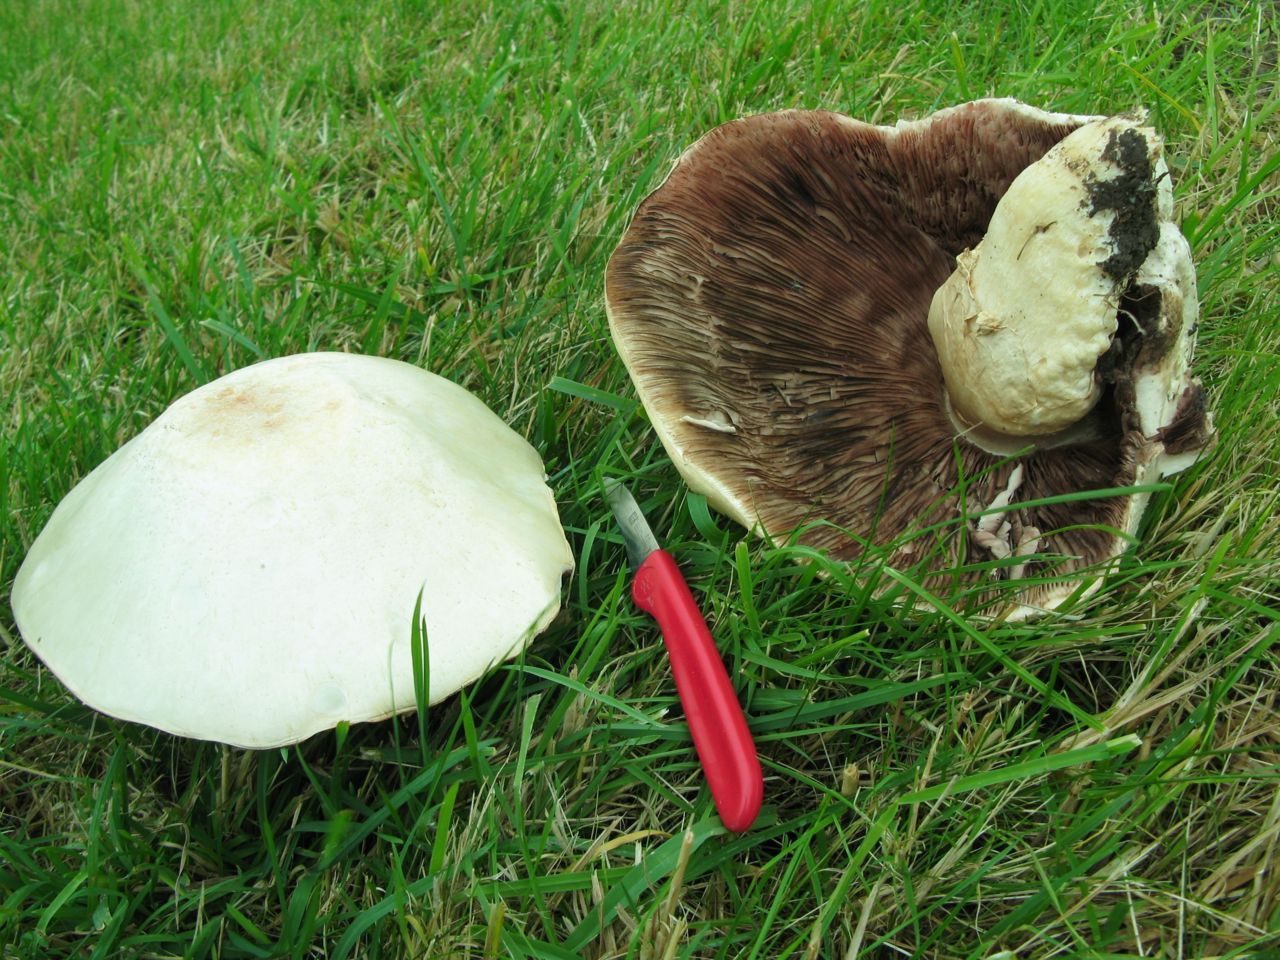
x: 188, y: 188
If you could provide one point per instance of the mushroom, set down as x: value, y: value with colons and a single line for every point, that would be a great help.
x: 246, y: 568
x: 896, y: 335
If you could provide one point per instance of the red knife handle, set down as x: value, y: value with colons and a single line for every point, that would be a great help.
x: 719, y: 729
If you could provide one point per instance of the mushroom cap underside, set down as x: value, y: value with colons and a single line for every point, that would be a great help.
x: 246, y: 568
x: 770, y: 301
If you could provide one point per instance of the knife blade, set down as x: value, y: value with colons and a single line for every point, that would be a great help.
x: 716, y: 721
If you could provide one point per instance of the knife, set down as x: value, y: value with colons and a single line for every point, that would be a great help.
x: 720, y: 734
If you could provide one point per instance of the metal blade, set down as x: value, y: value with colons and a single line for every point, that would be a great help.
x: 635, y: 529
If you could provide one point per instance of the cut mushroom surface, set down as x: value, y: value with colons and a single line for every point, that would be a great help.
x: 246, y: 568
x: 771, y: 301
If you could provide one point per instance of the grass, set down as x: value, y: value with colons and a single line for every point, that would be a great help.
x: 185, y: 189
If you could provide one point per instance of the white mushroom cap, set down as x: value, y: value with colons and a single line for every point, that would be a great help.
x: 246, y: 568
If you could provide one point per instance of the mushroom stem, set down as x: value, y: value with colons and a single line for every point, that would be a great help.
x: 1022, y: 322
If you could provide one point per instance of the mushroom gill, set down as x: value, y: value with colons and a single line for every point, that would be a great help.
x: 771, y: 302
